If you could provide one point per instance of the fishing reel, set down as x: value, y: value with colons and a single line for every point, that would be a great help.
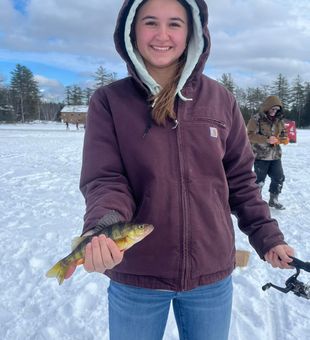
x: 292, y: 284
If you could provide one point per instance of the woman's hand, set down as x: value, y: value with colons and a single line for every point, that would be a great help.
x: 278, y: 256
x: 101, y: 253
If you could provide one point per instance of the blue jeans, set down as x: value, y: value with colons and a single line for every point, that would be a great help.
x: 141, y: 314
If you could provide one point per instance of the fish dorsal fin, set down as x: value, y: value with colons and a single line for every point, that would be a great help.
x: 76, y: 241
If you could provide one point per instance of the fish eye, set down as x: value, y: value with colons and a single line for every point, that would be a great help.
x: 141, y: 226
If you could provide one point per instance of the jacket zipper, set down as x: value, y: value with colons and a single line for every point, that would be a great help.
x: 184, y: 198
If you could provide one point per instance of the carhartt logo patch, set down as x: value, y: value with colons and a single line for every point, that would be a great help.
x: 213, y: 132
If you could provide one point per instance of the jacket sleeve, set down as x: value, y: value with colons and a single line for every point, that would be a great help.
x: 253, y: 133
x: 103, y: 180
x: 245, y: 201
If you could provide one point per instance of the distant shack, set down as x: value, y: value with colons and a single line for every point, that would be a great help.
x: 74, y: 114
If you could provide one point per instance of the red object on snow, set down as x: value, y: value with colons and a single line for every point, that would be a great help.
x: 290, y: 126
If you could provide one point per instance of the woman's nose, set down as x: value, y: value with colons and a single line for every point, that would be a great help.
x: 162, y: 32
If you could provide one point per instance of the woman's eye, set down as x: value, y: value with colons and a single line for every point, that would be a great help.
x: 175, y: 24
x: 150, y: 23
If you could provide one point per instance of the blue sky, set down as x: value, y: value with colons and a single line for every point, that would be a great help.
x: 20, y: 5
x: 66, y: 76
x: 64, y: 42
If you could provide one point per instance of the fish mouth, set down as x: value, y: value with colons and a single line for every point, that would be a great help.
x: 149, y: 228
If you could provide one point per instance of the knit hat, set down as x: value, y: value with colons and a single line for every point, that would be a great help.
x: 270, y: 102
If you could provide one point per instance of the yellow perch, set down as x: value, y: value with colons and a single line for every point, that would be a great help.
x: 124, y: 234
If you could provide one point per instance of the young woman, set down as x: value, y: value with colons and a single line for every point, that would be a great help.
x: 168, y: 146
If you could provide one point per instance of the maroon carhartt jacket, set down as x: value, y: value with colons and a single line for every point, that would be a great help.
x: 185, y: 181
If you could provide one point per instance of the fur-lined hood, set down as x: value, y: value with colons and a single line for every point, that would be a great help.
x: 270, y: 102
x: 198, y: 48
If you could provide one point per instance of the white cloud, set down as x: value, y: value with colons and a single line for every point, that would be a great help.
x: 46, y: 82
x: 254, y: 40
x: 260, y: 38
x: 51, y: 89
x: 78, y: 27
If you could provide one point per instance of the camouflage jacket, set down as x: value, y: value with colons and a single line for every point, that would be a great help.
x: 260, y: 128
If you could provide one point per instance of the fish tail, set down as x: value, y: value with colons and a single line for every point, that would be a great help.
x: 59, y: 271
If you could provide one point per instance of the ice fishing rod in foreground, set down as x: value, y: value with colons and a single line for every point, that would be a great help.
x: 292, y: 284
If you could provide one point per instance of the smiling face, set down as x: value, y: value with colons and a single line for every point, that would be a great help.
x: 161, y: 30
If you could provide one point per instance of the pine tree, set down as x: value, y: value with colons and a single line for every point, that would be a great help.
x: 305, y: 118
x: 102, y: 77
x: 241, y: 98
x: 6, y: 109
x: 255, y: 97
x: 297, y: 96
x: 228, y: 82
x: 68, y: 95
x: 88, y: 92
x: 74, y: 95
x: 280, y: 88
x: 24, y: 93
x: 113, y: 77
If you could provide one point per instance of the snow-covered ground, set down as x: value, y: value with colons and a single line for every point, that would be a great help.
x: 41, y: 210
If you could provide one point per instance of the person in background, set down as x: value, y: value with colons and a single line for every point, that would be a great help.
x: 168, y: 146
x: 266, y: 132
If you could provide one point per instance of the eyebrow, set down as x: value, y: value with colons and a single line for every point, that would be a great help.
x: 155, y: 18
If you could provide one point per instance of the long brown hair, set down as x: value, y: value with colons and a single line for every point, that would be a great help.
x: 163, y: 102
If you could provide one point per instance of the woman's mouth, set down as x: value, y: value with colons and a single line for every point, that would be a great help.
x: 161, y: 48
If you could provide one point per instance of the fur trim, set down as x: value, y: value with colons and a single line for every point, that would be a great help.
x: 270, y: 102
x: 195, y: 49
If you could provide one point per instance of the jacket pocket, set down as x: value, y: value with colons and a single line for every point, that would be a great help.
x: 211, y: 121
x: 212, y: 241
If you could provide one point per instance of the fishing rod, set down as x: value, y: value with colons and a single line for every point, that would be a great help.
x: 292, y: 284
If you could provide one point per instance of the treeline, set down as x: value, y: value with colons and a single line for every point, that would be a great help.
x: 75, y: 95
x: 21, y: 99
x: 295, y: 97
